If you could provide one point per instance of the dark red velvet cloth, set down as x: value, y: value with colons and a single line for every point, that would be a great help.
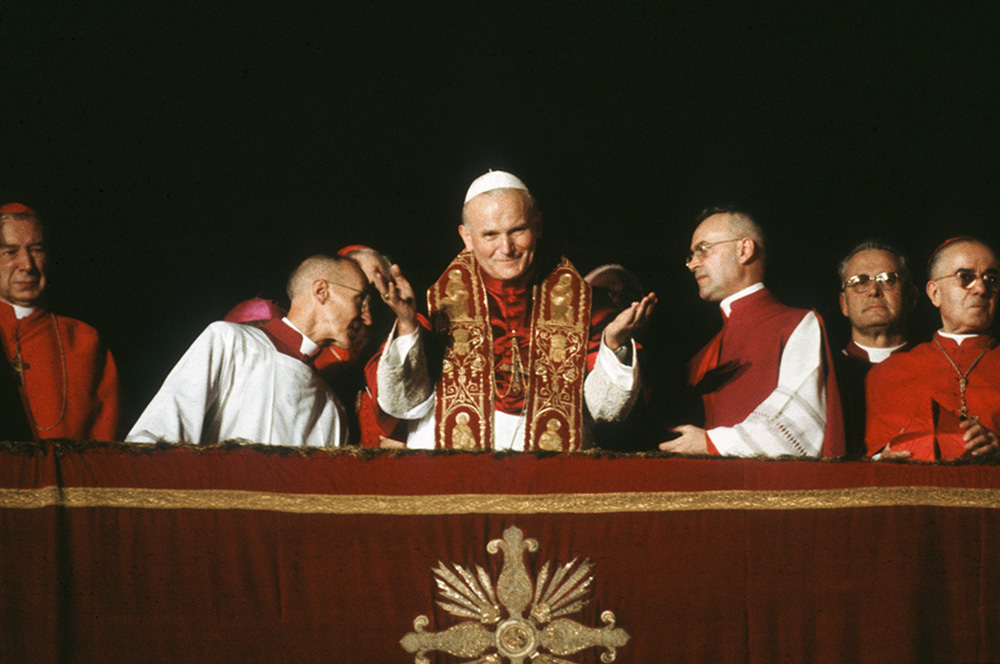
x: 252, y: 580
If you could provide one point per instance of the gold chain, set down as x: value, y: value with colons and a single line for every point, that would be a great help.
x: 62, y: 359
x: 519, y: 376
x: 963, y: 378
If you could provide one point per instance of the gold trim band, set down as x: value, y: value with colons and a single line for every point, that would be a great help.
x: 559, y: 503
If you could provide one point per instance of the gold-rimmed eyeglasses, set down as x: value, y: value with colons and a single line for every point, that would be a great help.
x: 700, y: 250
x: 861, y: 283
x: 991, y: 280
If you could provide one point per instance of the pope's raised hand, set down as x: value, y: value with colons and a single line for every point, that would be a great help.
x: 619, y: 331
x: 397, y: 293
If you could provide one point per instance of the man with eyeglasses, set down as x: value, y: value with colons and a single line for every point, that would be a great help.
x: 514, y: 323
x: 347, y: 372
x: 257, y: 383
x: 876, y: 296
x: 941, y: 400
x: 343, y: 368
x: 764, y: 378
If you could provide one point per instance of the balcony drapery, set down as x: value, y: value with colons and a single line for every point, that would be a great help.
x: 250, y: 554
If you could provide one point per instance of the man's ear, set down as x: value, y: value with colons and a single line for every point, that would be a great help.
x: 466, y: 236
x: 934, y: 293
x: 843, y: 304
x: 747, y: 251
x: 538, y: 226
x: 320, y: 290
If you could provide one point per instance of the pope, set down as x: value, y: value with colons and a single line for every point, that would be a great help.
x: 505, y: 362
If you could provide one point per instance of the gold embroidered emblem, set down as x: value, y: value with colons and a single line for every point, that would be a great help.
x: 543, y: 636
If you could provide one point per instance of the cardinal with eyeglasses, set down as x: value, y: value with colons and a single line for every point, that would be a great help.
x: 941, y: 400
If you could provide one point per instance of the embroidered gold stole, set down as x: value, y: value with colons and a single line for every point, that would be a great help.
x: 556, y: 364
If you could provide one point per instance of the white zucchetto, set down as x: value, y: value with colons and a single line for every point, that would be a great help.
x: 493, y: 180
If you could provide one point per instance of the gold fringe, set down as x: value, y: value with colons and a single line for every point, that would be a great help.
x: 584, y: 503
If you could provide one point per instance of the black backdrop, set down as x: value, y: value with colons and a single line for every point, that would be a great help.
x: 186, y: 157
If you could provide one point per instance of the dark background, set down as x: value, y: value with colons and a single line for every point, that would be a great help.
x: 186, y: 157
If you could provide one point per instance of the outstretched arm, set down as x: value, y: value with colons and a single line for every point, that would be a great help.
x: 611, y: 389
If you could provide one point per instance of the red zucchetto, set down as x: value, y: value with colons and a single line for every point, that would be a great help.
x: 17, y: 208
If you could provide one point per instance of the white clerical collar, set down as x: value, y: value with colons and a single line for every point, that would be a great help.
x: 727, y: 304
x: 876, y: 355
x: 958, y: 338
x: 19, y: 311
x: 308, y: 346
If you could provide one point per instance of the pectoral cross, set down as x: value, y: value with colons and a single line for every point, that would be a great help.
x: 518, y: 372
x: 19, y: 366
x: 515, y: 383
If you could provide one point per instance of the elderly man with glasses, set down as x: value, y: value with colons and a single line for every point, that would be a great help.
x: 876, y: 296
x: 941, y: 400
x: 258, y: 384
x: 765, y: 379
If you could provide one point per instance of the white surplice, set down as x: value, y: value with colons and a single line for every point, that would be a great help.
x: 232, y: 383
x: 405, y: 392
